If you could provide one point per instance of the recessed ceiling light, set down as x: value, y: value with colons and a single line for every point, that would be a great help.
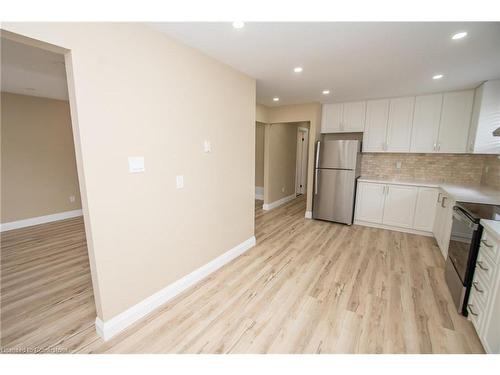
x: 238, y: 24
x: 326, y: 92
x: 459, y: 35
x: 437, y: 76
x: 276, y: 99
x: 298, y: 69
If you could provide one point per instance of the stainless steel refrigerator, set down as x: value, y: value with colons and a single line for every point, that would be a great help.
x: 337, y: 166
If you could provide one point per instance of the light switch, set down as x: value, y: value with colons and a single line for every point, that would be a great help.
x: 207, y: 146
x: 179, y: 180
x: 136, y: 164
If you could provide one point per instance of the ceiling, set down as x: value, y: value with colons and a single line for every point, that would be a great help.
x: 353, y: 60
x: 32, y: 71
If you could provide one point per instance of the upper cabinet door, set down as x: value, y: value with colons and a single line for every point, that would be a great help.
x: 425, y: 127
x: 455, y: 121
x: 374, y: 139
x: 353, y: 118
x: 331, y: 119
x: 399, y: 125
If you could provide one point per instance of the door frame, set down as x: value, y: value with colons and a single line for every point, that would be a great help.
x: 301, y: 160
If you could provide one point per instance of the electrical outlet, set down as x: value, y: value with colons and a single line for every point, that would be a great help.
x: 398, y: 164
x: 72, y: 198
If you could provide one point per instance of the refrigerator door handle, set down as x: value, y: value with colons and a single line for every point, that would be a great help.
x: 317, y: 153
x: 316, y: 171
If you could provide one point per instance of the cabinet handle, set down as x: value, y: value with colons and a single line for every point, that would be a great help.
x: 474, y: 284
x: 472, y: 310
x: 439, y: 146
x: 482, y: 266
x: 442, y: 202
x: 486, y: 244
x: 434, y: 146
x: 439, y: 197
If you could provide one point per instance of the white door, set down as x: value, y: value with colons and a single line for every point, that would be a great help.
x: 399, y: 124
x: 301, y: 165
x: 425, y: 129
x: 425, y: 210
x: 374, y: 138
x: 399, y: 208
x: 331, y: 120
x: 455, y: 121
x: 353, y: 117
x: 370, y: 202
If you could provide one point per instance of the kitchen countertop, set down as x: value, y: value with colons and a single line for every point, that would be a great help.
x: 459, y: 192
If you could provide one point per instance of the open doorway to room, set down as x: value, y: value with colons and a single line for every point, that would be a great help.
x: 47, y: 298
x: 259, y: 163
x: 302, y: 156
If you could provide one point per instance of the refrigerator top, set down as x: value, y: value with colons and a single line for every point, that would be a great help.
x: 343, y: 154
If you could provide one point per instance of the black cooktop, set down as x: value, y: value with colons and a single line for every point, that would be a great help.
x: 481, y: 211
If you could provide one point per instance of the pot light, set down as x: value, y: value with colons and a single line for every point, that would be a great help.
x: 437, y: 76
x: 298, y: 69
x: 459, y: 35
x: 238, y: 24
x: 276, y: 99
x: 326, y: 92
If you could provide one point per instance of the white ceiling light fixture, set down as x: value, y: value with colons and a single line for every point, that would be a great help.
x: 460, y: 35
x: 437, y: 76
x: 276, y: 99
x: 326, y: 92
x: 298, y: 69
x: 238, y: 24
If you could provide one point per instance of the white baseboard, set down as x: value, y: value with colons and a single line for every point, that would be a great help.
x: 121, y: 321
x: 39, y: 220
x: 390, y: 227
x: 259, y: 193
x: 270, y: 206
x: 308, y: 215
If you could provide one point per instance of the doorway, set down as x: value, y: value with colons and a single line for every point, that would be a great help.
x: 301, y: 164
x: 47, y: 294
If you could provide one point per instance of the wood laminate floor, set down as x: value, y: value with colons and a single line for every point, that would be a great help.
x: 307, y: 287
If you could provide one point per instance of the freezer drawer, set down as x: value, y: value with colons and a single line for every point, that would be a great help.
x: 334, y: 192
x: 337, y: 154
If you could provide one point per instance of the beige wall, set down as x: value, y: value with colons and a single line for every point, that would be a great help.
x: 136, y: 92
x: 309, y: 112
x: 259, y: 154
x: 281, y: 162
x: 38, y: 158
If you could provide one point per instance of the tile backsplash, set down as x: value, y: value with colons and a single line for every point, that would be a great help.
x: 451, y: 168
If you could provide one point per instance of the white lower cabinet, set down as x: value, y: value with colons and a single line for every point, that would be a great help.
x: 443, y: 221
x: 403, y: 207
x: 399, y: 205
x: 425, y: 209
x: 370, y: 202
x: 484, y: 300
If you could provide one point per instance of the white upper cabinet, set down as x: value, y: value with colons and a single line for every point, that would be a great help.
x: 343, y: 117
x: 426, y: 117
x: 485, y: 119
x: 399, y: 124
x: 331, y: 121
x: 377, y: 113
x: 455, y: 122
x: 353, y: 117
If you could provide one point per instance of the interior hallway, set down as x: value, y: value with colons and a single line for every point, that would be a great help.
x: 307, y: 287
